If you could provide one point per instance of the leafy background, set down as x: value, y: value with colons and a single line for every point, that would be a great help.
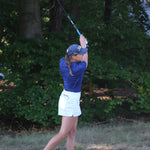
x: 118, y: 57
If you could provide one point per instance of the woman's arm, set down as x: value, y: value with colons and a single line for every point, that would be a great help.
x: 83, y: 45
x: 85, y: 58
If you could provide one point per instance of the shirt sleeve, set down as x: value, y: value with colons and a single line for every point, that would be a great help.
x: 78, y: 68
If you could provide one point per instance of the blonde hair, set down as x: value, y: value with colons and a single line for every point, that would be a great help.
x: 68, y: 61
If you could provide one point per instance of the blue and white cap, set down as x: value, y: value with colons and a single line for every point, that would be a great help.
x: 76, y: 49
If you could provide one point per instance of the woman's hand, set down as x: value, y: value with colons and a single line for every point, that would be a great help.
x: 82, y: 41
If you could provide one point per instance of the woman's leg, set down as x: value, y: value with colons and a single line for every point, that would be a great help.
x: 66, y: 126
x: 72, y: 136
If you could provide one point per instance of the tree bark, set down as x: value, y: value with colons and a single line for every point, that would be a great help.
x: 1, y: 31
x: 56, y: 14
x: 75, y: 10
x: 30, y: 21
x: 107, y: 13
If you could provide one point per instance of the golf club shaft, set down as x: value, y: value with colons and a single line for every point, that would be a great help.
x: 71, y: 21
x: 69, y: 18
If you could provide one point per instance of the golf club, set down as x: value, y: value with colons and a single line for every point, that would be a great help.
x: 69, y: 18
x: 71, y: 21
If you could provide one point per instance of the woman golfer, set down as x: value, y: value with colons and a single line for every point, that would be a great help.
x: 72, y: 68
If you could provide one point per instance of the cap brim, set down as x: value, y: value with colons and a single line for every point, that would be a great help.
x: 83, y: 51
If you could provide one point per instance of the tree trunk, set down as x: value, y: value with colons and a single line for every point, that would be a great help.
x: 56, y: 14
x: 107, y: 13
x: 1, y: 31
x: 75, y: 10
x: 30, y: 21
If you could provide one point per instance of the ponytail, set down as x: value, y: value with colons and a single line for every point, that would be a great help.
x: 68, y: 61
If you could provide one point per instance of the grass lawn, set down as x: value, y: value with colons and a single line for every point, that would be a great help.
x: 115, y: 135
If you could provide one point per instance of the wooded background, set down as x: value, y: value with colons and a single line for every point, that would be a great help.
x: 34, y: 35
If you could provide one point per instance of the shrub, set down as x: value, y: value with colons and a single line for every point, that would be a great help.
x: 35, y: 73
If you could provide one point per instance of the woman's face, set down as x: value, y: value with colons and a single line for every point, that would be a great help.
x: 78, y: 57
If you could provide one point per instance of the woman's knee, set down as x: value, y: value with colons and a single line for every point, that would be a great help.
x: 68, y: 127
x: 63, y: 135
x: 73, y: 133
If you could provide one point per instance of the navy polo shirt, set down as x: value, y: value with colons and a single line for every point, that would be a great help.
x: 72, y: 83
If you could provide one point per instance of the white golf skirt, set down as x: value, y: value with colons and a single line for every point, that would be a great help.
x: 69, y: 104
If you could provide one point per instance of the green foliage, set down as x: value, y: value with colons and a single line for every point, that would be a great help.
x: 40, y: 105
x: 35, y: 72
x: 98, y: 110
x: 122, y: 53
x: 93, y: 109
x: 141, y: 105
x: 9, y: 20
x: 118, y: 51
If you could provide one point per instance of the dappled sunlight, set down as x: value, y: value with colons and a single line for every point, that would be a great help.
x: 107, y: 94
x: 104, y: 97
x: 109, y: 147
x: 121, y: 146
x: 5, y: 85
x: 99, y: 147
